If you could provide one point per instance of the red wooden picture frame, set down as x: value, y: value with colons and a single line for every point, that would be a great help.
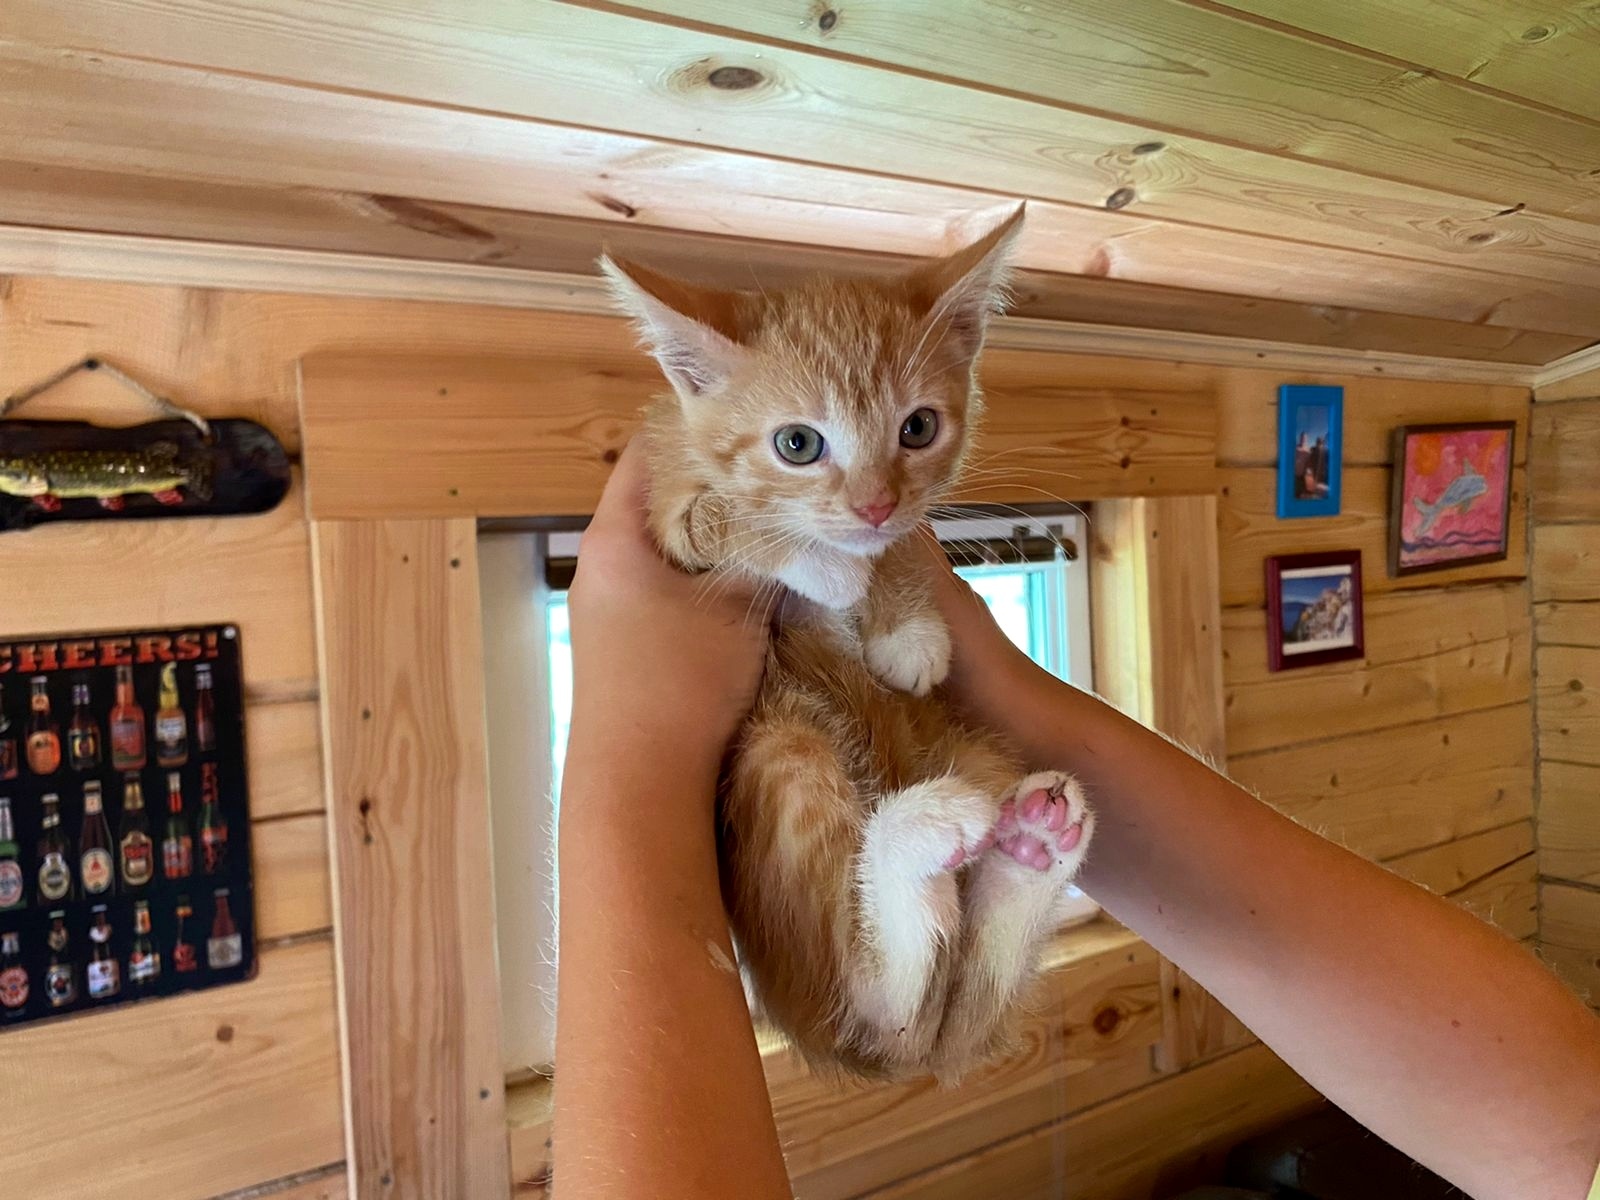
x: 1277, y: 659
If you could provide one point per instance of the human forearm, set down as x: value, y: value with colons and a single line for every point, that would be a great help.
x: 1427, y: 1025
x: 641, y: 1109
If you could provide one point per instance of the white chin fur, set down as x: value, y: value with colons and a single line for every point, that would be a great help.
x: 828, y: 576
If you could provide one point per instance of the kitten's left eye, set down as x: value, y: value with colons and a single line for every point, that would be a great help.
x: 798, y: 444
x: 921, y: 428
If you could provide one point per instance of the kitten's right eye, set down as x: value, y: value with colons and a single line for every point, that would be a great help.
x: 798, y: 444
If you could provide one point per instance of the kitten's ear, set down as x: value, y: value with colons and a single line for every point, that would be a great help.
x: 690, y: 330
x: 966, y: 288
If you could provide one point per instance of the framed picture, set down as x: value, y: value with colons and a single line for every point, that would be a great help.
x: 1450, y: 500
x: 1310, y: 446
x: 1313, y: 609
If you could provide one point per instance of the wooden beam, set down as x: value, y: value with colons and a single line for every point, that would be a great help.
x: 1569, y: 823
x: 1569, y: 704
x: 1566, y: 562
x: 407, y: 804
x: 1564, y: 462
x: 387, y: 436
x: 578, y: 67
x: 1568, y: 622
x: 1569, y: 935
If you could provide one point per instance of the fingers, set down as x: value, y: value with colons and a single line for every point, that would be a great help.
x: 621, y: 511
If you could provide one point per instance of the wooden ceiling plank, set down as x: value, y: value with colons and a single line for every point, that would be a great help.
x: 312, y: 219
x: 1195, y: 70
x: 1543, y: 51
x: 602, y: 70
x: 64, y: 113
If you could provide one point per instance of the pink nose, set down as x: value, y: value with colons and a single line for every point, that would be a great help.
x: 878, y: 511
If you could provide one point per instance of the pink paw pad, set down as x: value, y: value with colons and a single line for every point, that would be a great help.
x: 1034, y: 831
x: 963, y: 855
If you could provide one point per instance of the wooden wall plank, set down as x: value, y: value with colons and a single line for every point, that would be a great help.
x: 1569, y: 704
x: 1569, y: 932
x: 329, y: 1184
x: 1508, y: 898
x: 1566, y: 562
x: 1569, y: 822
x: 1448, y: 868
x: 1564, y: 463
x: 1566, y: 622
x: 510, y: 437
x: 1159, y: 1138
x: 1527, y: 48
x: 251, y: 571
x: 1251, y: 83
x: 1251, y: 532
x: 1395, y: 790
x: 228, y: 1087
x: 1584, y: 385
x: 291, y: 876
x: 1436, y: 680
x: 284, y: 744
x: 408, y: 801
x: 580, y: 67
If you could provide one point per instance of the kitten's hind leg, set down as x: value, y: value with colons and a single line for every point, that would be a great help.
x: 1012, y: 905
x: 911, y: 910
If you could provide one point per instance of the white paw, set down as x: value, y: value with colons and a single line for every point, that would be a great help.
x: 1046, y: 824
x: 912, y: 657
x: 829, y: 577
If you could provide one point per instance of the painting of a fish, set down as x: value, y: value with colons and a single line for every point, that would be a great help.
x: 1451, y: 495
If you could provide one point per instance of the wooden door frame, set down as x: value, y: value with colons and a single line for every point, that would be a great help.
x: 402, y: 457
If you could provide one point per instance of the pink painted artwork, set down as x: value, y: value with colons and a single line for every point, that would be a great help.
x: 1451, y: 496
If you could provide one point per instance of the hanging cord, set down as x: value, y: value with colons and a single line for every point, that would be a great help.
x: 162, y: 405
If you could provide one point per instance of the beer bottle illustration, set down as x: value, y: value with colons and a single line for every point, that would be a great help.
x: 96, y: 870
x: 104, y: 973
x: 185, y: 955
x: 144, y: 962
x: 13, y: 889
x: 172, y: 727
x: 83, y: 735
x: 10, y: 760
x: 135, y: 848
x: 177, y: 844
x: 61, y: 976
x: 13, y: 977
x: 55, y: 864
x: 205, y: 711
x: 127, y: 726
x: 213, y: 825
x: 44, y: 737
x: 224, y: 948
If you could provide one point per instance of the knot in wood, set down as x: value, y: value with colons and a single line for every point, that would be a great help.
x: 1106, y: 1021
x: 1121, y: 198
x: 735, y: 79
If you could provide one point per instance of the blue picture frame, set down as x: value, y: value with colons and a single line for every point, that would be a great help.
x: 1310, y: 450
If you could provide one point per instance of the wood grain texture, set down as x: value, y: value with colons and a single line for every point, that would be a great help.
x: 1221, y: 77
x: 1535, y: 49
x: 1149, y: 275
x: 1569, y: 704
x: 1566, y: 562
x: 389, y: 435
x: 1404, y: 788
x: 1567, y: 622
x: 1564, y: 462
x: 285, y: 758
x: 1585, y: 385
x: 606, y: 70
x: 1420, y: 670
x: 1087, y: 1037
x: 1449, y: 868
x: 328, y: 1184
x: 292, y: 889
x: 1569, y: 822
x: 1251, y: 531
x: 408, y: 805
x: 1173, y: 1132
x: 201, y: 1093
x: 1569, y: 932
x: 1509, y: 898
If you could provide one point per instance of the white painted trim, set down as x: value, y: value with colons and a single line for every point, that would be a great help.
x: 1576, y: 363
x: 31, y: 251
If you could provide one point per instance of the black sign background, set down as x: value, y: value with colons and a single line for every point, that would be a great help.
x: 68, y: 659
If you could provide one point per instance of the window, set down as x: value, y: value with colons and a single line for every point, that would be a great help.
x: 1027, y: 568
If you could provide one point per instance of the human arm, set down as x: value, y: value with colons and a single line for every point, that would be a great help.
x: 1427, y: 1025
x: 659, y: 1088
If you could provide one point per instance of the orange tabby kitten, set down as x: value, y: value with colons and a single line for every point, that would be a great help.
x: 890, y: 873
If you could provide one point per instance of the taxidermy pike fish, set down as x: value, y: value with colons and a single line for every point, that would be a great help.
x: 106, y: 475
x: 1463, y: 490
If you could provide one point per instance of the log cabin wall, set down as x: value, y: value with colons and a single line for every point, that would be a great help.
x: 1564, y: 471
x: 1421, y: 755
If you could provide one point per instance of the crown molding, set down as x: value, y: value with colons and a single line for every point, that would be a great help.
x: 1579, y: 362
x: 27, y: 250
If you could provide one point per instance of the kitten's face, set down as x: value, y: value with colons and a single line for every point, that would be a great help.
x: 848, y: 417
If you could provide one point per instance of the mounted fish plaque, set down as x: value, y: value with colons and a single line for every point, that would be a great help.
x: 182, y: 466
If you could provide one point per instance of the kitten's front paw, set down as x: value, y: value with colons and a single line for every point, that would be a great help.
x: 912, y: 657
